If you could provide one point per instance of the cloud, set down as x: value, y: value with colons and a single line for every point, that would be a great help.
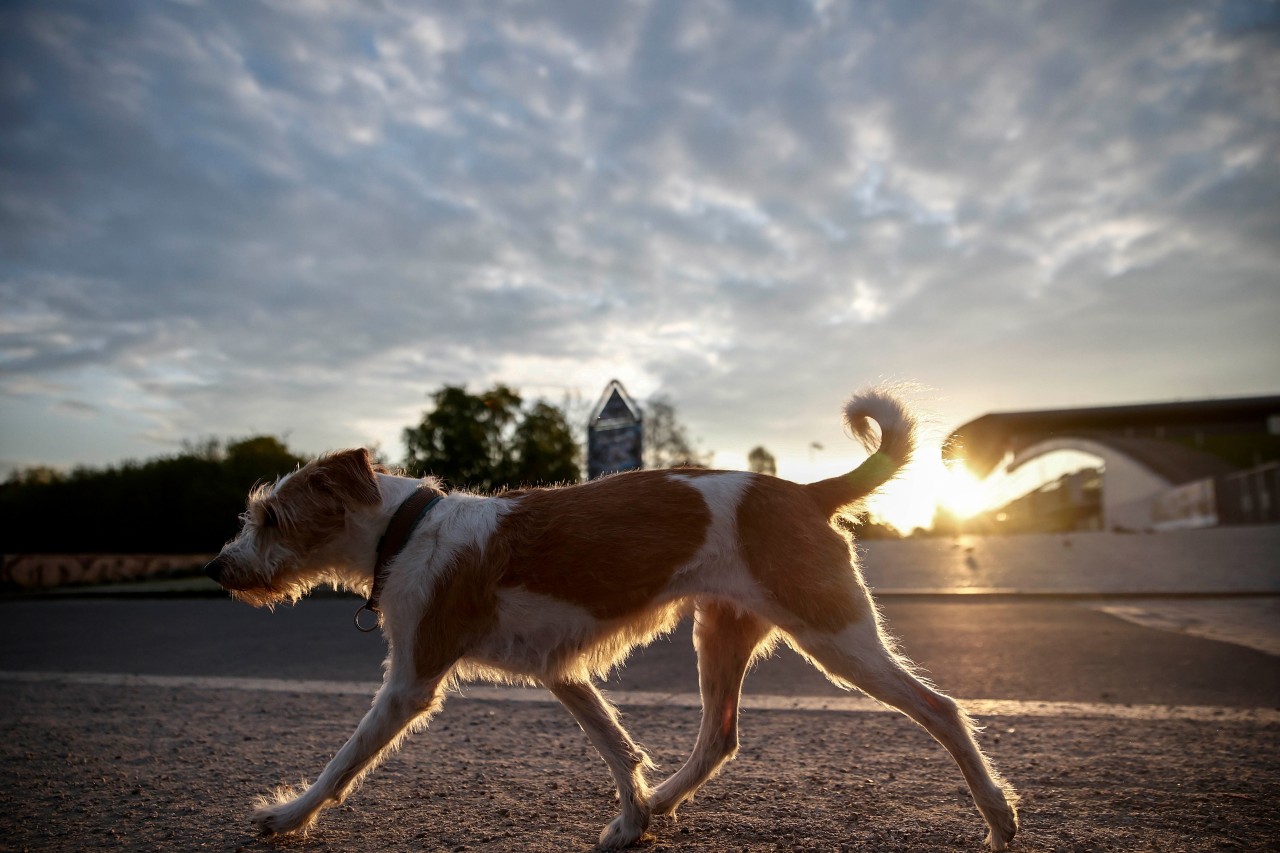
x: 304, y: 217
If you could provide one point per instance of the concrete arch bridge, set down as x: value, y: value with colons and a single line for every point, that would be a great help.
x: 1160, y: 461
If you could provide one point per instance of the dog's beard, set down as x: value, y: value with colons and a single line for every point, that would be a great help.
x: 287, y: 586
x: 267, y: 597
x: 266, y: 588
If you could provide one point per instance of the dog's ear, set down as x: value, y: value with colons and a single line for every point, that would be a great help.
x: 349, y: 475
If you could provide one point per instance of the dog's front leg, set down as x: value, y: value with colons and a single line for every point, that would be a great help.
x: 395, y: 709
x: 626, y: 759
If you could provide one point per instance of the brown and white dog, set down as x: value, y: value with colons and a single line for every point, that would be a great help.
x: 556, y: 586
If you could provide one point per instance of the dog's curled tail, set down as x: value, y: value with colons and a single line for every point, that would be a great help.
x: 897, y: 443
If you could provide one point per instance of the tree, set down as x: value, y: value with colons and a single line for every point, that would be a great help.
x: 460, y: 438
x: 666, y: 440
x: 179, y: 504
x: 488, y: 441
x: 259, y: 456
x: 544, y: 449
x: 761, y: 461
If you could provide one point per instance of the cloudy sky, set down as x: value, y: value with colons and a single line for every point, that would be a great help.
x: 299, y: 218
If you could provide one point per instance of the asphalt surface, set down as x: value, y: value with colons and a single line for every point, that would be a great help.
x: 1040, y: 650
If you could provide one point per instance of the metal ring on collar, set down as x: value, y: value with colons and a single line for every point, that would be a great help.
x: 374, y: 626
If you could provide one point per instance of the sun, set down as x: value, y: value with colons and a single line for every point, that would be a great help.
x: 912, y: 499
x: 959, y: 492
x: 925, y: 486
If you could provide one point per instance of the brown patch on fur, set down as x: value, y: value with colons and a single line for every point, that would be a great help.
x: 609, y: 546
x: 793, y: 552
x: 349, y: 475
x: 311, y: 506
x: 463, y: 608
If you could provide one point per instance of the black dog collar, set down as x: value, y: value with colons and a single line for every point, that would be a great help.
x: 403, y: 522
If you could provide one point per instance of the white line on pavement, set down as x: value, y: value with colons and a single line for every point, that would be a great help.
x: 852, y: 703
x: 1252, y: 622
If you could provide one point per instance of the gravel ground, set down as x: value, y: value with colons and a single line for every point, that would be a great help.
x: 144, y: 768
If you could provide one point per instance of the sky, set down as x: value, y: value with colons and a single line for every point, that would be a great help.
x: 300, y: 218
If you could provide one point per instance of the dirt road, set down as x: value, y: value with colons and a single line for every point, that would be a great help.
x: 121, y: 766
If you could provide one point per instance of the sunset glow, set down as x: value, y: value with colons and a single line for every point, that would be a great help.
x: 961, y: 493
x: 911, y: 499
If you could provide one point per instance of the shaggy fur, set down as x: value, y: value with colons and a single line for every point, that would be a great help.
x: 556, y: 586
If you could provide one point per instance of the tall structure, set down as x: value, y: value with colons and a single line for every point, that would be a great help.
x: 615, y: 433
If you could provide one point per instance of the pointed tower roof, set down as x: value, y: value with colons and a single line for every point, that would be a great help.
x: 614, y: 409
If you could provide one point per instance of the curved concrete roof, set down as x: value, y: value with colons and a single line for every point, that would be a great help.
x: 1174, y: 463
x: 983, y: 442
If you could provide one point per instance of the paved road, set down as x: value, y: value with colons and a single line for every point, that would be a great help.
x: 170, y: 762
x: 1048, y: 651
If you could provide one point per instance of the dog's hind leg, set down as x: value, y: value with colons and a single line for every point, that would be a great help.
x: 726, y: 640
x: 626, y: 759
x: 396, y: 708
x: 860, y: 655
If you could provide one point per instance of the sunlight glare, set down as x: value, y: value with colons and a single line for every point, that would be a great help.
x: 909, y: 500
x: 960, y: 492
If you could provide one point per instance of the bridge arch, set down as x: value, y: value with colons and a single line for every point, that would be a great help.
x: 1147, y: 449
x: 1129, y: 487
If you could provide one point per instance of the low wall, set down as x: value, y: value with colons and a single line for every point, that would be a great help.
x: 1207, y: 560
x: 44, y: 571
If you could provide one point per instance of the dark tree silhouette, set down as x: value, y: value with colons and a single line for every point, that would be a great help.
x: 185, y: 503
x: 191, y: 502
x: 489, y: 441
x: 666, y: 439
x: 544, y: 449
x: 761, y: 461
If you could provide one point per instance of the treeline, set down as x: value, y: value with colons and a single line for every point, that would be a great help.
x: 185, y: 503
x: 191, y: 502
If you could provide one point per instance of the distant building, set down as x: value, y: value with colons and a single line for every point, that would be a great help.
x: 615, y: 433
x: 1163, y: 465
x: 1071, y: 502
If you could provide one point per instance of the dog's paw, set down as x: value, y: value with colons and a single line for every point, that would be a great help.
x: 282, y: 818
x: 623, y: 832
x: 1003, y: 828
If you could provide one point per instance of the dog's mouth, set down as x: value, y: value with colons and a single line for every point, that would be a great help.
x: 259, y: 594
x: 252, y: 586
x: 221, y: 571
x: 257, y: 597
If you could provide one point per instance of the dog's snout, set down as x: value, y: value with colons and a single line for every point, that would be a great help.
x: 214, y: 569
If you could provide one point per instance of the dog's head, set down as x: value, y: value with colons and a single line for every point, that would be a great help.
x: 301, y: 531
